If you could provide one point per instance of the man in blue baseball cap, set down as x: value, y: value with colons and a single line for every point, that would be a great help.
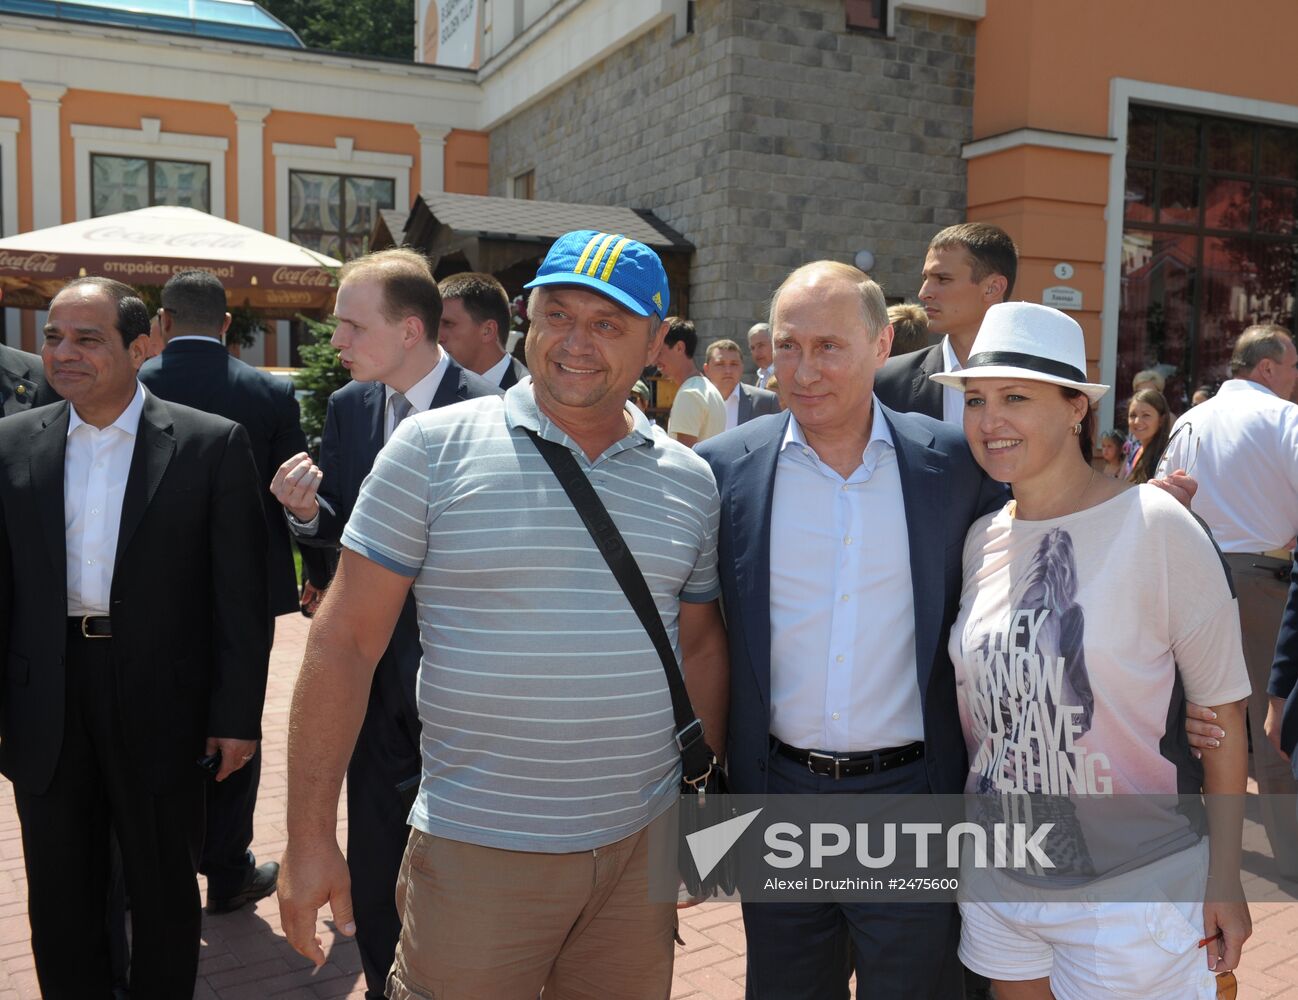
x: 547, y: 726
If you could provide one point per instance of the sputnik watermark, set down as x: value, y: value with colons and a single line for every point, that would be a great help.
x: 1013, y: 845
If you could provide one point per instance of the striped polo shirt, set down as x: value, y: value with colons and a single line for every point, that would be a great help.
x: 546, y: 718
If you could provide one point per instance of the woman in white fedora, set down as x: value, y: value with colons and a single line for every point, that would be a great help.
x: 1091, y: 610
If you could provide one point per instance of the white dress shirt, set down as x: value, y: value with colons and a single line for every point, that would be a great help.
x: 95, y: 467
x: 763, y: 376
x: 1242, y: 447
x: 843, y: 672
x: 732, y: 408
x: 497, y: 371
x: 420, y: 395
x: 952, y: 399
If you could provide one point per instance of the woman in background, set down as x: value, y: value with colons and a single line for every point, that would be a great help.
x: 1149, y: 421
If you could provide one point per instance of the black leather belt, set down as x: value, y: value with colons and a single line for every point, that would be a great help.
x: 91, y: 626
x: 850, y: 765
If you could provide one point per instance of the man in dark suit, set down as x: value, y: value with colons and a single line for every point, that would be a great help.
x: 724, y: 368
x: 131, y: 632
x: 840, y: 679
x: 196, y: 370
x: 1282, y: 713
x: 388, y: 311
x: 22, y: 382
x: 968, y: 269
x: 475, y: 327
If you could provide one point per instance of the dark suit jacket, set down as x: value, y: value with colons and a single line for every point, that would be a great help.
x: 755, y: 402
x: 1284, y: 673
x: 903, y: 383
x: 944, y: 491
x: 204, y: 375
x: 188, y: 599
x: 22, y: 382
x: 353, y: 437
x: 513, y: 373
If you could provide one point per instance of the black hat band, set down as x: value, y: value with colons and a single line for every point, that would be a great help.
x: 1032, y: 362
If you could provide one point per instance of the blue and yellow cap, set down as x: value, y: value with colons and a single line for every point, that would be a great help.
x: 618, y: 267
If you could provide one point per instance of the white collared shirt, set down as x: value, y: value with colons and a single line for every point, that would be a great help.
x: 763, y: 376
x: 843, y: 672
x: 497, y: 371
x: 1242, y: 447
x: 732, y: 408
x: 952, y: 399
x: 420, y: 395
x: 95, y: 467
x: 192, y: 336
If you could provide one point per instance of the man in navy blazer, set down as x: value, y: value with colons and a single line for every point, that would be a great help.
x: 724, y: 368
x: 475, y: 327
x: 388, y: 313
x: 1282, y: 714
x: 195, y: 369
x: 842, y: 531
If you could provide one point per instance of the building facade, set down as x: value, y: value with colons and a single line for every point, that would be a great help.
x: 1144, y: 157
x: 98, y: 118
x: 768, y: 133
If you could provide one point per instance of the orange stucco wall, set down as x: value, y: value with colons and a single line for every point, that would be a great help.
x: 13, y: 104
x: 1049, y: 66
x: 89, y: 107
x: 1051, y: 201
x: 466, y: 162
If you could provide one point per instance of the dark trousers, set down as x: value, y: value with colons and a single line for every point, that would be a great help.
x: 226, y: 859
x: 97, y: 787
x: 387, y: 753
x: 807, y: 951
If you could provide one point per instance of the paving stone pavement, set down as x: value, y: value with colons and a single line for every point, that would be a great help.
x: 244, y: 957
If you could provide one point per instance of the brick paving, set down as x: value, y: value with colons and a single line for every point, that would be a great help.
x: 245, y: 958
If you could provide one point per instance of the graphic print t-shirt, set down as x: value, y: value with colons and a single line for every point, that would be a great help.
x: 1071, y: 636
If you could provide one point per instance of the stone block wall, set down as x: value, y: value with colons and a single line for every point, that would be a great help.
x: 769, y: 137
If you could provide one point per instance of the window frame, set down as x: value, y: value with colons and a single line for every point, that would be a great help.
x: 148, y: 142
x: 151, y: 161
x: 342, y: 187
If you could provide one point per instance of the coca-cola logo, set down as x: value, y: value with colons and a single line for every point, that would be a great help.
x: 302, y: 277
x: 205, y: 241
x: 39, y: 263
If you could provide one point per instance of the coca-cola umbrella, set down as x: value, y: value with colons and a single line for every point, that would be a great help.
x: 146, y: 247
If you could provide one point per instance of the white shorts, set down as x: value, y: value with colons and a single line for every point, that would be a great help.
x: 1097, y: 947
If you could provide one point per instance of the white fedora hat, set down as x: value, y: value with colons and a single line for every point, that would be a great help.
x: 1027, y: 341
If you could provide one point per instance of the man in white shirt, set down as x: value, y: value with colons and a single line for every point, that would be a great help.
x: 724, y: 368
x: 389, y: 312
x: 133, y: 628
x: 968, y: 269
x: 759, y: 346
x: 840, y: 678
x: 698, y: 411
x: 475, y: 327
x: 1242, y: 447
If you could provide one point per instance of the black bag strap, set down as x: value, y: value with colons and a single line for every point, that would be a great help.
x: 696, y: 758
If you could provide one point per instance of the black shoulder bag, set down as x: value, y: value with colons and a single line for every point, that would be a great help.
x: 701, y: 775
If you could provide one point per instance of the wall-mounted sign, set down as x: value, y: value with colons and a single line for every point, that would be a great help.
x: 450, y: 32
x: 1062, y: 297
x: 1063, y: 271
